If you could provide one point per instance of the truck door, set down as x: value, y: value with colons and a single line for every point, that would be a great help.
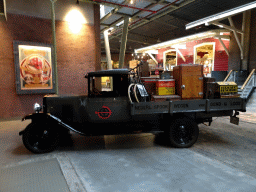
x: 108, y: 101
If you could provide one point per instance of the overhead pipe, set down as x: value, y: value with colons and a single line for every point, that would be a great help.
x: 121, y: 5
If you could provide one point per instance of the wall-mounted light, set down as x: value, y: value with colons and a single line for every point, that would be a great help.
x: 76, y: 20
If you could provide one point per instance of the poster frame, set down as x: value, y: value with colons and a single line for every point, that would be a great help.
x: 17, y: 62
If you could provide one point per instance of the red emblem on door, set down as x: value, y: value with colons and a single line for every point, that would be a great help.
x: 104, y: 112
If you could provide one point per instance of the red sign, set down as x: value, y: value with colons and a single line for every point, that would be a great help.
x: 104, y: 112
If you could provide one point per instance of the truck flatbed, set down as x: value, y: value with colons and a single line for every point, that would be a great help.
x: 188, y: 106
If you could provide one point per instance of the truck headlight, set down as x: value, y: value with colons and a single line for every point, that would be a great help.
x: 37, y: 107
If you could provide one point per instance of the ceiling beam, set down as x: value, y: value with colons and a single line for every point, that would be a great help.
x: 223, y: 45
x: 135, y: 16
x: 164, y: 23
x: 138, y: 39
x: 232, y: 28
x: 162, y: 3
x: 159, y: 15
x: 225, y: 37
x: 114, y: 11
x: 106, y: 25
x: 180, y: 17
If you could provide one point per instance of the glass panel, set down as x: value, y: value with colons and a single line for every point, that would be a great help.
x: 101, y: 86
x: 106, y: 83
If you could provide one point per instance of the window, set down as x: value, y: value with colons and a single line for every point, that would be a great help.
x: 108, y: 86
x: 101, y: 84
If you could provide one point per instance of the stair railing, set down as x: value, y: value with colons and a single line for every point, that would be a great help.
x: 248, y: 79
x: 228, y: 76
x: 248, y: 85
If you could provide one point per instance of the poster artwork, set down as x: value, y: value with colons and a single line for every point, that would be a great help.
x: 35, y: 67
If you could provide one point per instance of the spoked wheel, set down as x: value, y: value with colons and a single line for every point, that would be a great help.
x: 183, y: 132
x: 38, y: 138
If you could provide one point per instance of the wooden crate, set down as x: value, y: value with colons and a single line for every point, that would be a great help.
x: 150, y: 84
x: 212, y: 91
x: 207, y: 80
x: 227, y: 88
x: 189, y: 81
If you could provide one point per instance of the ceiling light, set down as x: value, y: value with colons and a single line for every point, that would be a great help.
x: 222, y: 15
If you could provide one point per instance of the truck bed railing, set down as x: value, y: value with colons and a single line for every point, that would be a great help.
x: 186, y: 106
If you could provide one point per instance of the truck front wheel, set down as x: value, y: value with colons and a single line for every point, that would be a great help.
x: 183, y: 132
x: 40, y: 138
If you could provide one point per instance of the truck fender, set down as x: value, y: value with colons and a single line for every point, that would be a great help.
x: 33, y: 117
x: 48, y: 116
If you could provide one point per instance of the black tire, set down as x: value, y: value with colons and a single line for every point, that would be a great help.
x: 40, y: 138
x: 183, y: 132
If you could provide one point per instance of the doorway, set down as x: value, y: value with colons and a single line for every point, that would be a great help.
x: 204, y: 55
x: 170, y: 59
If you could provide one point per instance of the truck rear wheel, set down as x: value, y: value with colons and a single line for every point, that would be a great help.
x: 183, y: 132
x: 40, y: 138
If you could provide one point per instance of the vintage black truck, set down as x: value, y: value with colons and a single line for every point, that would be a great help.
x: 107, y: 109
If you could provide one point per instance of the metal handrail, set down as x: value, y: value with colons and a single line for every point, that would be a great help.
x: 248, y: 78
x: 228, y: 75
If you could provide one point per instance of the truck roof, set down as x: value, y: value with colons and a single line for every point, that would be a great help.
x: 109, y: 72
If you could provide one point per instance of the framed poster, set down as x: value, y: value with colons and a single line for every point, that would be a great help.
x: 34, y: 68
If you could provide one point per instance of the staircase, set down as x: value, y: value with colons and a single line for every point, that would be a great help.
x: 251, y: 103
x: 246, y: 85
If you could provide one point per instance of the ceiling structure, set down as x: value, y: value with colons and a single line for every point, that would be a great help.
x: 155, y: 21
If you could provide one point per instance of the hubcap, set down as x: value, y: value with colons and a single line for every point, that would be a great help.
x: 183, y: 134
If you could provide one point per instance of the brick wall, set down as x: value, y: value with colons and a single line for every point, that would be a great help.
x: 76, y: 55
